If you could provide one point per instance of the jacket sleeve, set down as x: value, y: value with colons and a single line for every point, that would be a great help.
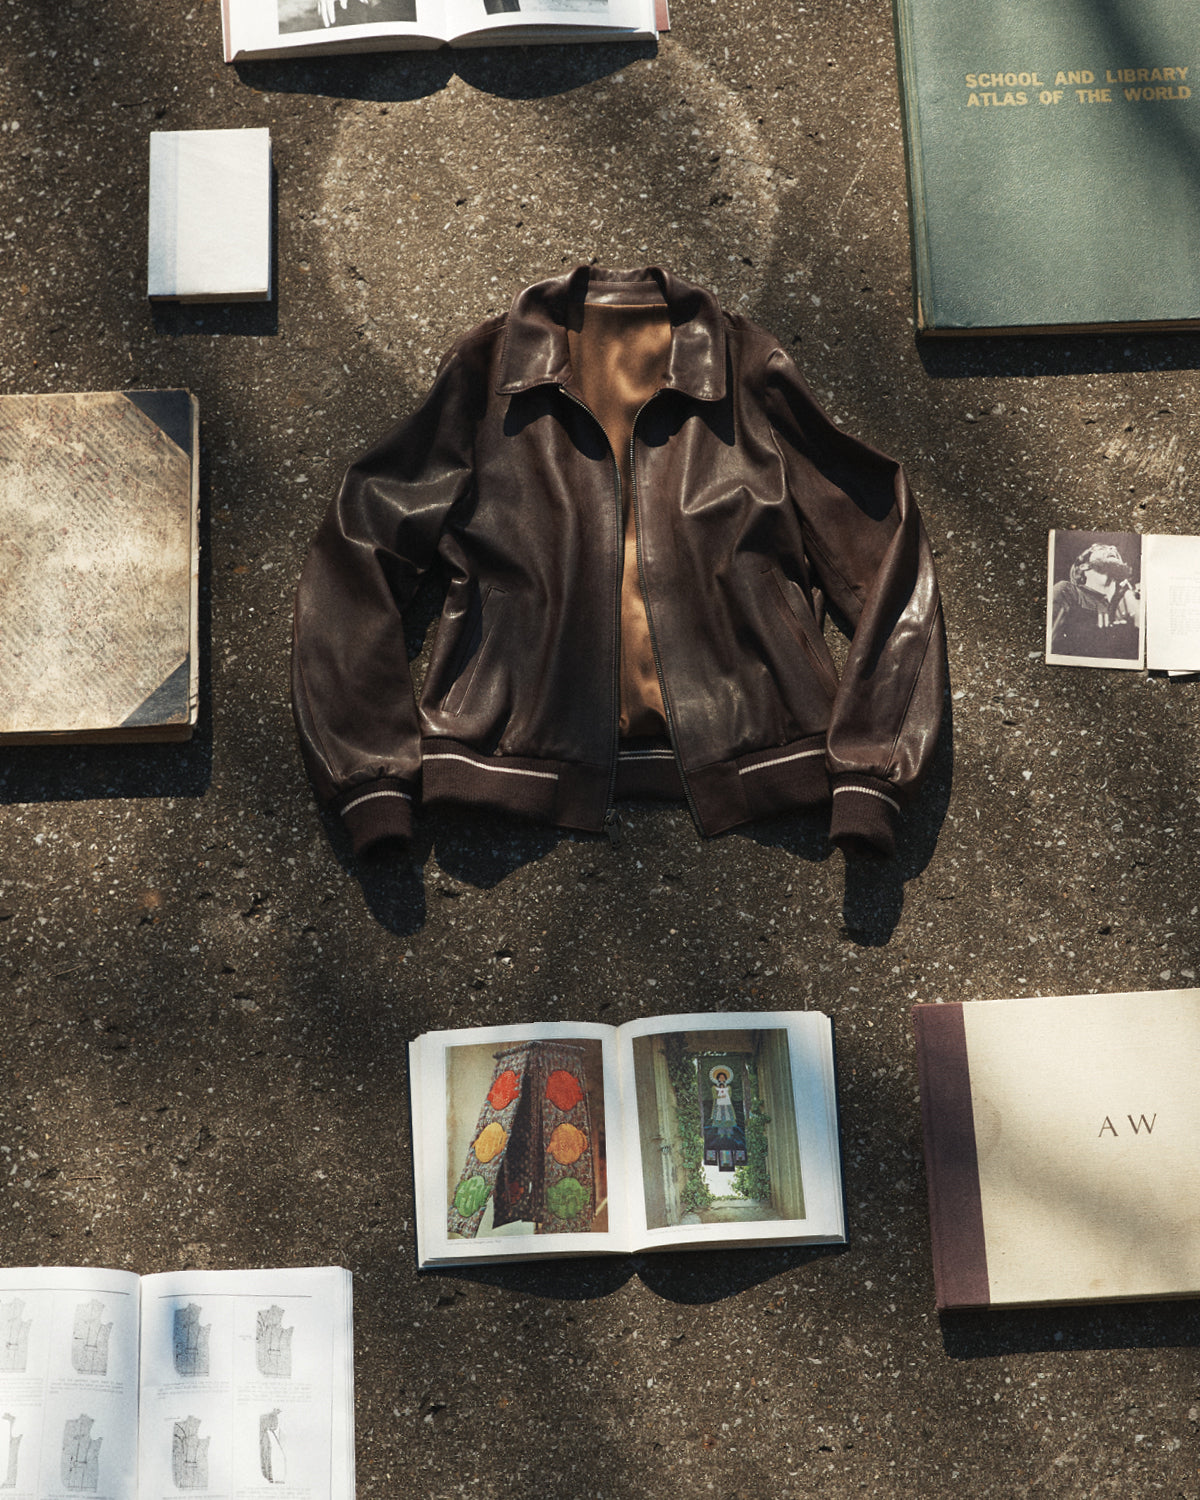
x: 868, y: 550
x: 352, y: 690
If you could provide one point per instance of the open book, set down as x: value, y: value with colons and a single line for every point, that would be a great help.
x: 288, y: 28
x: 671, y: 1132
x: 1123, y: 599
x: 227, y: 1383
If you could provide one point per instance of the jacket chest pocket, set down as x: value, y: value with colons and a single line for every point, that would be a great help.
x: 802, y: 627
x: 477, y: 643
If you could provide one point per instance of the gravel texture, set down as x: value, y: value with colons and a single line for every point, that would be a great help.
x: 207, y: 1002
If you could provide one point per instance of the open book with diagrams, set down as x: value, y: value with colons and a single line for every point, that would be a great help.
x: 231, y: 1383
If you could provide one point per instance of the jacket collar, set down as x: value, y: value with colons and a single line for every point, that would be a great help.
x: 535, y: 343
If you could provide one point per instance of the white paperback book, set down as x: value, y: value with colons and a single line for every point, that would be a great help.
x: 210, y: 216
x: 671, y: 1132
x: 227, y: 1383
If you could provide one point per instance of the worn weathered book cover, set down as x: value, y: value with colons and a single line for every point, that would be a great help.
x: 98, y: 566
x: 1060, y: 1147
x: 1052, y: 149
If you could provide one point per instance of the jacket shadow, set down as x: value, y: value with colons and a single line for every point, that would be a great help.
x: 873, y: 897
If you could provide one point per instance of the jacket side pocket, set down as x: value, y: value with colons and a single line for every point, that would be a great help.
x: 799, y: 630
x: 475, y: 642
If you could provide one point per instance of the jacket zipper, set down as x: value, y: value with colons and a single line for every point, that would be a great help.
x: 612, y: 818
x: 637, y: 531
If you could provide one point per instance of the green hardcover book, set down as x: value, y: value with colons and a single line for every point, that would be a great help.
x: 1053, y: 152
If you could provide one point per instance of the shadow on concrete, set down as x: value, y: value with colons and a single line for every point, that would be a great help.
x: 400, y: 77
x: 578, y: 1279
x: 967, y: 358
x: 873, y: 900
x: 688, y: 1277
x: 1140, y: 1325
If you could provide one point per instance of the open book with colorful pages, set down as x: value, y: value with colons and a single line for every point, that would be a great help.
x: 230, y: 1383
x: 671, y: 1132
x: 1060, y: 1147
x: 297, y: 28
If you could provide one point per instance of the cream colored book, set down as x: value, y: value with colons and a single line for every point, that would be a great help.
x: 1061, y: 1147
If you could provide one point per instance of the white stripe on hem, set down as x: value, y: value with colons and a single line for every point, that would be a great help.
x: 781, y: 760
x: 366, y: 797
x: 501, y: 770
x: 868, y: 791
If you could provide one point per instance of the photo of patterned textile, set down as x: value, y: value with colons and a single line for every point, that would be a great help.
x: 89, y: 1339
x: 189, y: 1455
x: 80, y: 1455
x: 14, y: 1336
x: 525, y: 1139
x: 271, y: 1457
x: 10, y: 1446
x: 190, y: 1341
x: 273, y: 1344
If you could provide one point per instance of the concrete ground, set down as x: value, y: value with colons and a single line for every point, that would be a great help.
x: 207, y: 1001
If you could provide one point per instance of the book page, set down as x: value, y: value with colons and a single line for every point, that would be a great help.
x: 1094, y: 599
x: 517, y: 1142
x: 1171, y: 565
x: 68, y: 1383
x: 467, y: 17
x: 246, y: 1376
x: 737, y: 1138
x: 258, y: 26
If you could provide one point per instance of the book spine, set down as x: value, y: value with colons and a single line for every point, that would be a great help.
x: 960, y: 1274
x: 910, y: 120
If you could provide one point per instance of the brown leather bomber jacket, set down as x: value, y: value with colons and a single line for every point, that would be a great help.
x: 642, y: 513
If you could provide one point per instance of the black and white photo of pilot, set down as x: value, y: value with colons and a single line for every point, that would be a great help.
x: 1094, y: 614
x: 316, y: 15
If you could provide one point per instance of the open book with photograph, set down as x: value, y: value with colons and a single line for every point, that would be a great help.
x: 290, y: 28
x: 671, y: 1132
x: 1123, y: 599
x: 232, y: 1383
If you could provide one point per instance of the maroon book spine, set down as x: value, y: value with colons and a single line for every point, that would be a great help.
x: 960, y: 1275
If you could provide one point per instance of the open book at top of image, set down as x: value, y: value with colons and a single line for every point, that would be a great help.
x: 283, y: 28
x: 670, y: 1132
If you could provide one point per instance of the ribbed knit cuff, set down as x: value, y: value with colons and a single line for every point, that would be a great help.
x: 376, y: 811
x: 864, y: 814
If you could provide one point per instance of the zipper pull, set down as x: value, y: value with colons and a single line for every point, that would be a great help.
x: 612, y: 826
